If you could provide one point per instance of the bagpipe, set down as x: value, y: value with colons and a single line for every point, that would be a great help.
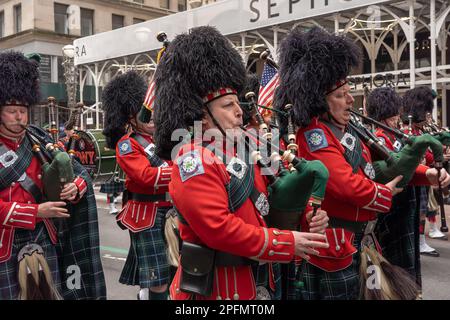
x: 289, y: 191
x: 57, y: 168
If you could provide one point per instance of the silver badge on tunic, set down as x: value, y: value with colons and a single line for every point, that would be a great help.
x: 348, y: 141
x: 150, y: 149
x: 22, y: 177
x: 369, y: 171
x: 237, y: 167
x: 397, y: 145
x: 262, y: 293
x: 262, y: 204
x: 8, y: 158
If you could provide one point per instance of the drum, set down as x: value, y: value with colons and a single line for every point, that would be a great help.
x: 92, y: 153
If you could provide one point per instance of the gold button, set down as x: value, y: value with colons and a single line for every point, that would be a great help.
x: 236, y: 296
x: 219, y: 298
x: 275, y: 242
x: 29, y: 201
x: 177, y: 290
x: 195, y: 270
x: 13, y: 184
x: 276, y: 232
x: 39, y: 176
x: 271, y: 253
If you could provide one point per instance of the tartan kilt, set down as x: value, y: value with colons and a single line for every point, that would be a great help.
x: 398, y: 234
x: 146, y: 264
x: 9, y: 285
x: 112, y: 187
x: 423, y: 199
x: 322, y: 285
x: 261, y: 276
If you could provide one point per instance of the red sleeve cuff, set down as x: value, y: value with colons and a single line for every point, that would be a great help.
x: 420, y: 177
x: 381, y: 200
x: 21, y: 215
x: 279, y: 245
x: 163, y: 179
x: 82, y: 188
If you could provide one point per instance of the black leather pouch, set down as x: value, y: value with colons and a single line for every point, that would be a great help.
x: 197, y: 264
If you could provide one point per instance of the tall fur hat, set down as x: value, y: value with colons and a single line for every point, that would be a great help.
x: 197, y: 67
x: 383, y: 103
x: 122, y: 99
x: 19, y: 79
x: 417, y: 102
x: 311, y: 64
x: 251, y: 85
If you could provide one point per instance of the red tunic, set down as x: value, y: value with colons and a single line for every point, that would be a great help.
x: 141, y: 178
x: 349, y: 196
x: 202, y: 199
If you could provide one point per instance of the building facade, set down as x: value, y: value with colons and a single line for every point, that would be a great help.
x: 405, y: 42
x: 46, y: 26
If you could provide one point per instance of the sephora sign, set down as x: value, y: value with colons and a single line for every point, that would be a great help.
x: 229, y: 16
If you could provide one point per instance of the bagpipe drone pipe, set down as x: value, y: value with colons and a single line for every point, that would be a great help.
x: 289, y: 191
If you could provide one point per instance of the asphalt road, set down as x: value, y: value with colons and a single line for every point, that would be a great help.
x: 115, y: 242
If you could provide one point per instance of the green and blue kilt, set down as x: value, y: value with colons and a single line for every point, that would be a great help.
x: 112, y: 187
x: 321, y: 285
x: 78, y: 247
x: 9, y: 284
x: 261, y: 275
x: 146, y: 265
x: 398, y: 234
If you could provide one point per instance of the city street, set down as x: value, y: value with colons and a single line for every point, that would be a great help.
x: 115, y: 242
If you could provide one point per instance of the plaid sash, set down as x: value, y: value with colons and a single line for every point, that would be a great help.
x: 12, y: 173
x: 239, y: 190
x: 154, y: 160
x: 354, y: 158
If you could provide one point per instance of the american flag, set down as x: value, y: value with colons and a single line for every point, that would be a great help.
x: 269, y: 82
x: 150, y: 96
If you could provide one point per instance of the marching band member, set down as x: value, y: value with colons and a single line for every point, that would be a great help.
x: 147, y: 179
x: 228, y: 251
x: 313, y: 70
x: 26, y: 229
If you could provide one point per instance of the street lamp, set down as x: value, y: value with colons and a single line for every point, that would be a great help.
x: 70, y: 76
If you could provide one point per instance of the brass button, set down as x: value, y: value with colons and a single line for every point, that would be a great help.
x: 39, y: 176
x: 195, y: 270
x: 271, y: 253
x: 13, y: 184
x: 177, y: 290
x: 236, y: 296
x: 276, y: 232
x: 218, y: 298
x: 275, y: 242
x: 29, y: 201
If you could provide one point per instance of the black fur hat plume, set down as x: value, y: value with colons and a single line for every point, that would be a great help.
x: 417, y: 102
x: 311, y: 63
x: 383, y: 103
x: 19, y: 79
x: 195, y: 64
x: 122, y: 99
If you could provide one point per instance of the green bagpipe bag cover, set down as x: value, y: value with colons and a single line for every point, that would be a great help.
x: 406, y: 161
x: 289, y: 195
x: 56, y: 174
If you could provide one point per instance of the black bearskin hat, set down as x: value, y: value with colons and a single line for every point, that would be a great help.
x: 195, y: 64
x: 312, y: 63
x: 19, y: 79
x: 122, y: 99
x: 251, y: 85
x: 383, y: 103
x: 417, y: 102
